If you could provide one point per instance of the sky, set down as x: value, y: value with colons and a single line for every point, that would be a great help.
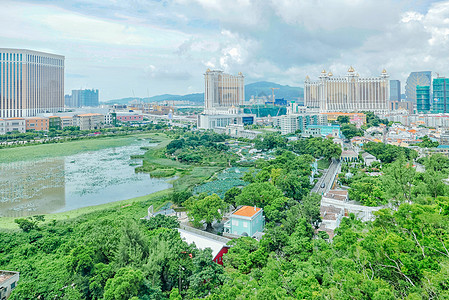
x: 149, y: 47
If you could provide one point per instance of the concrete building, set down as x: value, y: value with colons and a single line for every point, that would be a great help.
x: 8, y: 282
x: 422, y: 78
x: 245, y: 221
x: 89, y: 121
x: 66, y: 121
x: 206, y: 121
x: 322, y: 131
x: 237, y: 131
x: 293, y: 122
x: 84, y: 98
x: 31, y: 82
x: 354, y: 118
x: 223, y: 90
x: 395, y: 90
x: 129, y: 117
x: 405, y: 106
x: 350, y: 93
x: 12, y: 124
x: 204, y: 240
x: 37, y: 124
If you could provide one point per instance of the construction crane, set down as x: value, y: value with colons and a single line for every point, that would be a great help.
x: 272, y: 93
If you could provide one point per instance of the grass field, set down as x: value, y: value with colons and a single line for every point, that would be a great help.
x: 157, y: 200
x: 68, y: 148
x: 323, y: 164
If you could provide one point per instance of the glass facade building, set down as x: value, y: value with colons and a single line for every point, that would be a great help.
x: 423, y: 98
x: 395, y: 90
x: 31, y: 82
x: 414, y: 79
x: 351, y: 93
x: 83, y: 98
x: 440, y: 103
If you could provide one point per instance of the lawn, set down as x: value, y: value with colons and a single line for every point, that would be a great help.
x: 323, y: 164
x: 68, y: 148
x: 158, y: 199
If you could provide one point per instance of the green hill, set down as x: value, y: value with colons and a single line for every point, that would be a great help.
x: 261, y: 88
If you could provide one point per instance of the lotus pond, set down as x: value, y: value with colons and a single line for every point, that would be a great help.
x: 69, y: 182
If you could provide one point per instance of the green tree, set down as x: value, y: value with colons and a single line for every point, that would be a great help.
x: 207, y: 209
x: 132, y: 248
x: 343, y: 119
x: 258, y: 194
x: 231, y: 194
x: 126, y: 283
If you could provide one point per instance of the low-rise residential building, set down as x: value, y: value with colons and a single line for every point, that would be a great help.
x: 369, y: 159
x: 89, y: 121
x: 358, y: 119
x: 129, y: 117
x: 37, y: 124
x: 237, y: 130
x: 293, y: 122
x: 8, y: 282
x: 66, y: 121
x: 245, y: 221
x: 322, y: 131
x: 54, y: 122
x: 14, y: 124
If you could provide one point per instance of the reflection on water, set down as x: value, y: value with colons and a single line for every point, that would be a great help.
x: 65, y: 183
x: 31, y: 187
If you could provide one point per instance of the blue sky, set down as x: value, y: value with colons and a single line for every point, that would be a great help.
x: 145, y: 47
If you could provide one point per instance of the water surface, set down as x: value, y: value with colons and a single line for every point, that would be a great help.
x: 74, y: 181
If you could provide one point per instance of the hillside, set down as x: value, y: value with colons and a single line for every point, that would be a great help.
x: 261, y: 88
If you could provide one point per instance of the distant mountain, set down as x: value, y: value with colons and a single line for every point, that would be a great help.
x: 261, y: 88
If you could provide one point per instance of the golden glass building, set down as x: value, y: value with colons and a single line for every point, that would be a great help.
x: 31, y: 82
x: 351, y: 93
x: 222, y: 91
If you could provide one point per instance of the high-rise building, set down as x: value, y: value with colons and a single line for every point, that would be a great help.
x: 350, y: 93
x: 423, y: 98
x: 440, y: 103
x: 222, y: 91
x: 416, y: 78
x: 31, y: 82
x: 395, y: 90
x: 82, y: 98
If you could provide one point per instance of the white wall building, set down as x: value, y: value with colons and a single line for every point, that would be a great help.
x: 31, y: 82
x: 223, y: 90
x: 350, y: 93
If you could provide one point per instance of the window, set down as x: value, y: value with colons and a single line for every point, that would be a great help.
x: 235, y: 223
x: 13, y: 285
x: 245, y: 224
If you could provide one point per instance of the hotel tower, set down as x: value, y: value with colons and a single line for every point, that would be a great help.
x: 350, y: 93
x: 31, y: 82
x: 223, y: 91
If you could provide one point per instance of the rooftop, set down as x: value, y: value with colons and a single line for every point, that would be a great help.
x: 89, y: 115
x: 247, y: 211
x: 202, y: 241
x: 5, y: 275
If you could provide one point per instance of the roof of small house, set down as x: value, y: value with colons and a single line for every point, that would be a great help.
x: 247, y: 211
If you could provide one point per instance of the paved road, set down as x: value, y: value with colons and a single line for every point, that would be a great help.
x: 327, y: 178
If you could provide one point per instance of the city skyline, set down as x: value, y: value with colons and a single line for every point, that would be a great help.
x: 147, y: 48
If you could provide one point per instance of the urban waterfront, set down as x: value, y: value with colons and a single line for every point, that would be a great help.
x: 64, y: 183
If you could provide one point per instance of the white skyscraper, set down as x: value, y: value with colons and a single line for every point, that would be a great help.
x: 351, y: 93
x: 31, y: 82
